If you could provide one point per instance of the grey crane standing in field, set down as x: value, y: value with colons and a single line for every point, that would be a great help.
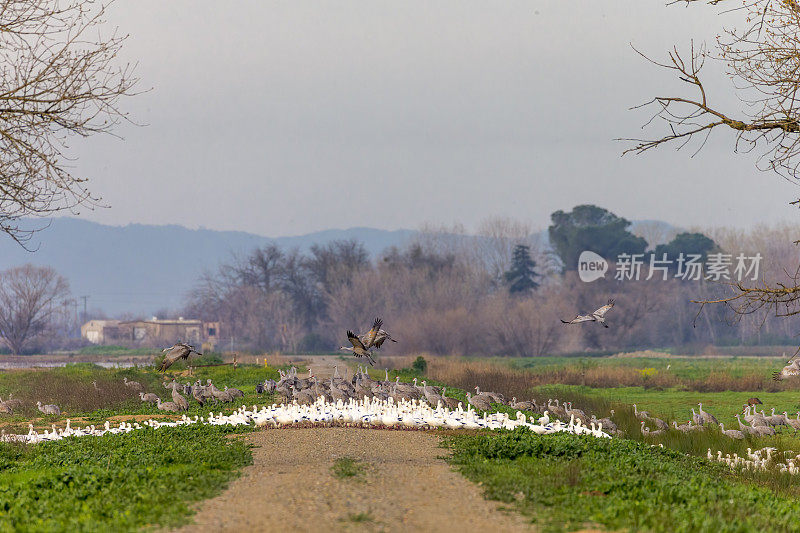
x: 180, y: 401
x: 646, y: 432
x: 179, y: 350
x: 598, y: 316
x: 48, y: 409
x: 148, y: 397
x: 707, y: 417
x: 732, y: 433
x: 167, y: 406
x: 133, y: 385
x: 479, y: 402
x: 5, y: 408
x: 640, y: 414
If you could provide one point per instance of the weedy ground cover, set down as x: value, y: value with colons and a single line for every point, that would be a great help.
x: 568, y: 482
x: 116, y: 482
x: 93, y: 394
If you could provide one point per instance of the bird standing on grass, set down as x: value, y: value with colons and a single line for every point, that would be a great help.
x: 597, y: 316
x: 179, y: 350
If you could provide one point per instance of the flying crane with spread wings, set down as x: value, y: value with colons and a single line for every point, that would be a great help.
x: 179, y: 350
x: 375, y: 337
x: 791, y: 369
x: 597, y: 316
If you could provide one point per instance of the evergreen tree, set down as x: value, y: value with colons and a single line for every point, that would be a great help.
x: 521, y: 277
x: 588, y: 227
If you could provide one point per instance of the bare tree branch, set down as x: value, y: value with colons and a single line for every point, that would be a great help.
x: 58, y: 78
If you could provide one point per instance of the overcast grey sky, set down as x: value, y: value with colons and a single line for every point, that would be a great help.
x: 282, y: 118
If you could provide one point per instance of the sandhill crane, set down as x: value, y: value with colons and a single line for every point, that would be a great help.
x: 179, y: 350
x: 640, y: 414
x: 218, y: 394
x: 166, y: 406
x: 269, y: 385
x: 14, y: 403
x: 744, y: 428
x: 133, y: 385
x: 707, y: 417
x: 607, y: 423
x: 479, y: 402
x: 577, y: 413
x: 597, y: 316
x: 495, y: 397
x: 762, y: 430
x: 198, y: 393
x: 753, y: 401
x: 794, y: 423
x: 358, y: 349
x: 697, y: 419
x: 658, y: 422
x: 234, y: 392
x: 791, y: 369
x: 683, y: 428
x: 148, y: 397
x: 180, y: 401
x: 732, y: 433
x: 646, y: 432
x: 48, y: 409
x: 380, y: 337
x: 776, y: 420
x: 5, y: 408
x: 451, y: 403
x: 368, y: 339
x: 524, y: 406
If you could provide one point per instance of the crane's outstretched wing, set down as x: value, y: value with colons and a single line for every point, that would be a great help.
x: 355, y: 341
x: 603, y: 310
x: 175, y: 352
x: 369, y: 337
x: 791, y: 369
x: 578, y: 319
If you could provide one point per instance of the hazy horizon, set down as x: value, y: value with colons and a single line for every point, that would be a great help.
x: 283, y: 119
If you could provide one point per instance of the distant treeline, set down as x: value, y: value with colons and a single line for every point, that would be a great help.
x: 503, y: 291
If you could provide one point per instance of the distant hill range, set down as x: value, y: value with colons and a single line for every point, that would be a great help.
x: 142, y: 268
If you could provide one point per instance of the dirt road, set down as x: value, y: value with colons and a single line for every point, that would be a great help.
x: 405, y: 487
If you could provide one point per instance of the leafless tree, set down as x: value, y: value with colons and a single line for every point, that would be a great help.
x: 60, y: 78
x: 763, y: 60
x: 29, y: 298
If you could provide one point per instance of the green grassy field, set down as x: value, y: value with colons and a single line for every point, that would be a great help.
x: 567, y: 482
x: 120, y: 482
x: 562, y: 481
x: 144, y: 478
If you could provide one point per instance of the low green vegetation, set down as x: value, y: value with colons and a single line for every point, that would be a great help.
x: 360, y: 518
x: 121, y: 482
x: 93, y: 394
x: 99, y: 349
x: 347, y: 468
x: 568, y: 482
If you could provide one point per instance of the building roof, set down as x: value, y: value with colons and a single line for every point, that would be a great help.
x: 168, y: 321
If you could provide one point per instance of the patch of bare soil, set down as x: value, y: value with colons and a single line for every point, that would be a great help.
x: 405, y: 486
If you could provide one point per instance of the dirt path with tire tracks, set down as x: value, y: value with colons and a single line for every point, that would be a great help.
x: 405, y: 487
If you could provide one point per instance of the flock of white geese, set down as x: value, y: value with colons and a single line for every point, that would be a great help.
x: 375, y: 413
x: 759, y: 460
